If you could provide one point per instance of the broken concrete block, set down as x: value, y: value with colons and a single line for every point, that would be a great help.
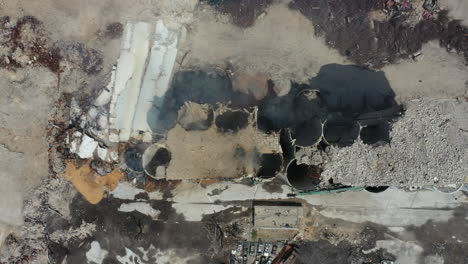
x: 114, y: 155
x: 87, y: 147
x: 129, y: 75
x: 142, y: 77
x: 74, y: 146
x: 102, y: 122
x: 92, y: 113
x: 157, y: 76
x: 102, y: 153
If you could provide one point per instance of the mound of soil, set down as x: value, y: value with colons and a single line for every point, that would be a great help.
x: 243, y: 12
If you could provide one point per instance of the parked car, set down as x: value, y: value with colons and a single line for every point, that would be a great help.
x: 232, y: 259
x: 274, y: 249
x: 246, y: 249
x: 269, y: 260
x: 252, y: 249
x: 260, y: 249
x: 244, y: 260
x: 239, y: 247
x: 266, y: 252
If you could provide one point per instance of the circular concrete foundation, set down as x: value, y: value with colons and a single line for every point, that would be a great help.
x: 194, y: 116
x: 340, y: 133
x: 308, y: 133
x: 232, y: 121
x: 155, y: 160
x: 376, y: 189
x: 270, y: 165
x: 303, y: 177
x: 375, y: 133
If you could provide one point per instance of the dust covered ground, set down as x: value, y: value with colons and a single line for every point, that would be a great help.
x: 52, y: 50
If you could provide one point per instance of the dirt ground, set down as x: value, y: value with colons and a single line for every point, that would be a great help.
x: 284, y: 45
x: 70, y: 47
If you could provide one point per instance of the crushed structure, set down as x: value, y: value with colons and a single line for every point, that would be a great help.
x: 196, y: 131
x: 428, y: 146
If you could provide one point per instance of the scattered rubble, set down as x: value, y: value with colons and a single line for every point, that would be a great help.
x: 428, y: 147
x: 142, y: 78
x: 26, y: 42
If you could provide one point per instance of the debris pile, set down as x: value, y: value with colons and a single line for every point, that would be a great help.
x: 428, y: 147
x: 223, y: 125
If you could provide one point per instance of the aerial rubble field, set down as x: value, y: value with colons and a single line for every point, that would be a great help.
x: 224, y: 131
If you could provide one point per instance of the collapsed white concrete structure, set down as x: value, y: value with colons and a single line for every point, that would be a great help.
x: 142, y: 77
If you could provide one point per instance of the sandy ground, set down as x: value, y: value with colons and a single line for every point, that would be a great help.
x: 281, y: 44
x: 25, y: 107
x: 458, y: 9
x: 29, y: 93
x: 209, y: 154
x: 438, y: 74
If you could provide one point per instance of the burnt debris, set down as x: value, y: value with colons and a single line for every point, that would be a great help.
x: 303, y: 177
x: 232, y: 121
x: 270, y: 165
x: 243, y: 12
x: 347, y: 26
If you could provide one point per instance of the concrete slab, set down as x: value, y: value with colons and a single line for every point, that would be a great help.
x: 144, y: 70
x: 277, y: 217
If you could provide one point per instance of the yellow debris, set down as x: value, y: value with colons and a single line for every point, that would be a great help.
x: 89, y: 183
